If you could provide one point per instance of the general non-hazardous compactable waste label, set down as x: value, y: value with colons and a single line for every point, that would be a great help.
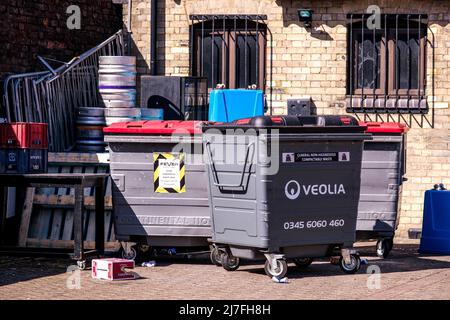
x: 316, y: 157
x: 169, y: 172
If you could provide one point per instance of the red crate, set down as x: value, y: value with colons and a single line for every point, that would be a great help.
x: 24, y: 135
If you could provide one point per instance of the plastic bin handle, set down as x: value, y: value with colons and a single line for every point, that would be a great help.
x: 215, y: 176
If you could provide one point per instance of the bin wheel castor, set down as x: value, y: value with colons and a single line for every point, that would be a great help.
x: 129, y: 254
x: 353, y: 266
x: 229, y: 262
x: 216, y: 256
x: 81, y: 265
x: 279, y: 271
x: 384, y: 247
x: 303, y: 263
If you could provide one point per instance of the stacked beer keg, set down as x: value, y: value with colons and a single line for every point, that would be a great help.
x: 90, y: 124
x: 117, y: 84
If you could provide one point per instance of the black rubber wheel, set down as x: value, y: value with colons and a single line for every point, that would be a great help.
x: 216, y: 256
x: 81, y: 265
x: 390, y: 241
x: 279, y: 271
x: 131, y: 255
x: 384, y: 247
x: 229, y: 262
x: 353, y: 266
x: 303, y: 263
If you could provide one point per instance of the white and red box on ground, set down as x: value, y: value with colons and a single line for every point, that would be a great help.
x: 113, y: 269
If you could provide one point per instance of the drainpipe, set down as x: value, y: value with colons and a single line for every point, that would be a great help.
x: 153, y: 37
x: 129, y: 30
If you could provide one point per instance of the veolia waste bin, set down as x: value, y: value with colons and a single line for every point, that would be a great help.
x: 284, y: 188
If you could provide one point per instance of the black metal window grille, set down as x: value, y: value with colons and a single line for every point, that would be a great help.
x: 229, y: 49
x: 386, y: 70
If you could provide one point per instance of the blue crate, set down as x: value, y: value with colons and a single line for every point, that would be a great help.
x: 436, y: 223
x: 226, y: 105
x: 25, y: 160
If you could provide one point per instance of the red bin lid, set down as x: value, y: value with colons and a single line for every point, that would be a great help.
x: 384, y: 127
x: 152, y: 127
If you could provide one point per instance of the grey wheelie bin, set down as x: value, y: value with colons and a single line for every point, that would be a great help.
x: 382, y: 176
x: 160, y: 196
x: 284, y: 188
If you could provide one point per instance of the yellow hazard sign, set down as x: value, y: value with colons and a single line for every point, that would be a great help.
x: 169, y: 171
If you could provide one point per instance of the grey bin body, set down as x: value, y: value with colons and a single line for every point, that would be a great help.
x: 383, y: 169
x: 164, y: 219
x: 255, y: 218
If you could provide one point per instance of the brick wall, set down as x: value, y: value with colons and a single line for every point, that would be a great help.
x: 38, y: 27
x: 314, y: 64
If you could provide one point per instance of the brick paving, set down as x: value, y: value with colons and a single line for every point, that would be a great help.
x: 404, y: 275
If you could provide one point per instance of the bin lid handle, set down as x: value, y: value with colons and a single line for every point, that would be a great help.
x: 214, y: 172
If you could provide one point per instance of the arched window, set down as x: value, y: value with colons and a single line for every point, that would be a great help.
x: 229, y: 50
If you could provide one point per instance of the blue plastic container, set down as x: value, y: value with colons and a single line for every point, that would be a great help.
x: 152, y: 114
x: 226, y: 105
x: 25, y: 160
x: 436, y: 223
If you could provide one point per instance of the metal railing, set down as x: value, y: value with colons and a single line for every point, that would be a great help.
x: 19, y: 97
x: 385, y: 93
x: 228, y: 62
x: 53, y: 96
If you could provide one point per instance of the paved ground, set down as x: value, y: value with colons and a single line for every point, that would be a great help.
x: 405, y: 275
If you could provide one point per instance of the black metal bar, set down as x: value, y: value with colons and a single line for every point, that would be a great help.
x: 362, y: 69
x: 386, y: 59
x: 78, y: 224
x: 271, y: 70
x: 433, y: 87
x: 245, y: 50
x: 153, y: 36
x: 408, y: 61
x: 352, y: 63
x: 191, y: 45
x: 396, y: 62
x: 235, y: 52
x: 375, y: 66
x: 257, y: 53
x: 100, y: 217
x: 225, y: 53
x: 213, y: 43
x: 203, y: 47
x: 419, y: 61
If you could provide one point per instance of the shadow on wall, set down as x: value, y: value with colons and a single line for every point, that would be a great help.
x: 144, y: 62
x: 316, y: 30
x: 335, y: 13
x: 141, y: 64
x: 144, y: 59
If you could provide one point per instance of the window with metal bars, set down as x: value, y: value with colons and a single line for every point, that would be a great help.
x: 229, y: 50
x: 386, y: 69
